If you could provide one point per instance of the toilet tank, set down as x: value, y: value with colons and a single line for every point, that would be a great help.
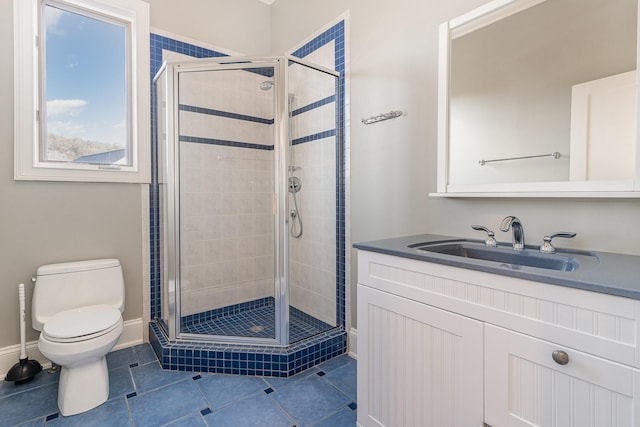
x: 69, y: 285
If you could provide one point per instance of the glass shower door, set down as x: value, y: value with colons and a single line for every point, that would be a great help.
x: 250, y: 229
x: 312, y: 234
x: 226, y: 165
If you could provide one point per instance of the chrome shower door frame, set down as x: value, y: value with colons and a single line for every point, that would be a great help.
x: 172, y: 165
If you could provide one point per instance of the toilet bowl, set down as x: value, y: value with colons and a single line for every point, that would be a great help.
x: 79, y: 326
x: 78, y: 341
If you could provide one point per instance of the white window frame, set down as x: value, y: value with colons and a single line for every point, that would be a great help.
x: 27, y: 163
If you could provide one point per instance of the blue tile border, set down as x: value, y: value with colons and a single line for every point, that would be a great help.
x: 225, y: 114
x: 314, y: 105
x: 314, y: 137
x: 237, y: 359
x: 211, y: 141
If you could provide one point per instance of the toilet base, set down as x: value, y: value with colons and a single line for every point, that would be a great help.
x: 83, y: 387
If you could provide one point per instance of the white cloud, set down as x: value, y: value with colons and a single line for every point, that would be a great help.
x: 71, y: 107
x: 120, y: 125
x: 52, y: 16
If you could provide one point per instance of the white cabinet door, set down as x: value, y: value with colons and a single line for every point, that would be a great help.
x: 417, y: 365
x: 524, y: 386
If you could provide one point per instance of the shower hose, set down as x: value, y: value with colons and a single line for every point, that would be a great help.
x: 296, y: 230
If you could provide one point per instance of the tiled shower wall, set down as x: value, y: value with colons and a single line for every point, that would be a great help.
x: 226, y: 187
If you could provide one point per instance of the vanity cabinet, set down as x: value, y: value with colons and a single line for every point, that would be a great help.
x: 447, y: 346
x: 422, y: 365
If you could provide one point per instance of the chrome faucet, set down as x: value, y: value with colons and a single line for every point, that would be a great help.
x: 518, y: 231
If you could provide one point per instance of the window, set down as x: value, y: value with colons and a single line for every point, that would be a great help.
x: 81, y: 90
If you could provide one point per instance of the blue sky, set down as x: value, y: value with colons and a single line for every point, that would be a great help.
x: 85, y: 77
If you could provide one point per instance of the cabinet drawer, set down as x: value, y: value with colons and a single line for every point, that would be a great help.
x: 599, y: 324
x: 525, y: 386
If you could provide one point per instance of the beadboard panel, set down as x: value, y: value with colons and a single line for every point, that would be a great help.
x: 419, y: 366
x: 599, y: 324
x: 525, y: 387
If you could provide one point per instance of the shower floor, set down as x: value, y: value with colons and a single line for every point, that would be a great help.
x: 257, y: 320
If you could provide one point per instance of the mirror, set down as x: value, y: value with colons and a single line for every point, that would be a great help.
x: 539, y: 97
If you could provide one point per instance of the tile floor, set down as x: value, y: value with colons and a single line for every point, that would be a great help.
x: 142, y: 394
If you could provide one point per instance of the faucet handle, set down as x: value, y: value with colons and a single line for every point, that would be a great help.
x: 547, y: 247
x: 491, y: 242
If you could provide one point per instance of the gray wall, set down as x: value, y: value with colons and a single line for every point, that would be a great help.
x: 240, y: 25
x: 45, y: 222
x: 394, y: 54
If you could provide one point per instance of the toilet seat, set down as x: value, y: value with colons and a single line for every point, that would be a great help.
x: 82, y: 324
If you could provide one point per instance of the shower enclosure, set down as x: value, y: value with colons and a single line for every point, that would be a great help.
x: 247, y: 164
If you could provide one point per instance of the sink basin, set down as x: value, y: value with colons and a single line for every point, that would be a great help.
x: 507, y: 257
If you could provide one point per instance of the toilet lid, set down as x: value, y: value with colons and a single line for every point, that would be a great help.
x: 82, y: 322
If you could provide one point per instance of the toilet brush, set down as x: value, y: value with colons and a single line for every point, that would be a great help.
x: 25, y: 369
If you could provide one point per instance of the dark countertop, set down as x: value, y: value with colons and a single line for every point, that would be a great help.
x: 615, y: 274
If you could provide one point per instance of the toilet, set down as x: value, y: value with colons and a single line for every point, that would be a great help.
x: 78, y: 307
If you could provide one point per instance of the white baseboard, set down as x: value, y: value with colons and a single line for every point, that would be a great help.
x: 353, y: 343
x: 132, y: 334
x: 9, y: 356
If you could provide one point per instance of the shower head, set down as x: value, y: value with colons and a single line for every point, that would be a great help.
x: 266, y: 85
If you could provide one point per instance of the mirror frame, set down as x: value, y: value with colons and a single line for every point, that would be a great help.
x: 478, y: 18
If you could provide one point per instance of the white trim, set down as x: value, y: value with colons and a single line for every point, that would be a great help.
x: 131, y: 335
x: 442, y: 171
x: 487, y: 14
x: 9, y: 356
x: 146, y: 260
x: 544, y: 194
x: 550, y: 186
x: 27, y: 165
x: 347, y: 174
x: 353, y: 343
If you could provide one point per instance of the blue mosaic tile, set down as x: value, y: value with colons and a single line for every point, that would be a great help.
x: 252, y: 319
x: 270, y: 361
